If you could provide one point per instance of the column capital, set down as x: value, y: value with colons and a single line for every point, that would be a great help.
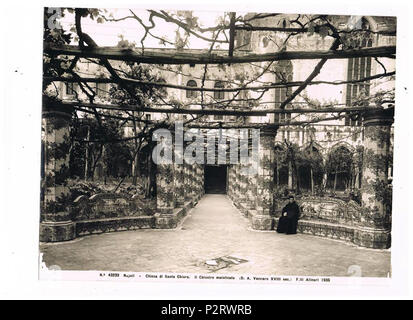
x: 56, y: 109
x: 379, y: 117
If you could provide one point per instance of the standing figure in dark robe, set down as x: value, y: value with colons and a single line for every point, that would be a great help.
x: 289, y: 217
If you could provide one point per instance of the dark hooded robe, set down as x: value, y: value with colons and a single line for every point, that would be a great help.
x: 288, y: 224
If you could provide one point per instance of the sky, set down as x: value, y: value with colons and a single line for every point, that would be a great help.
x: 107, y: 33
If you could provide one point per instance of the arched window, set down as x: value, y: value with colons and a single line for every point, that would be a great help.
x: 219, y: 95
x: 190, y: 93
x: 71, y: 88
x: 101, y: 90
x: 243, y: 40
x: 358, y: 68
x: 283, y: 73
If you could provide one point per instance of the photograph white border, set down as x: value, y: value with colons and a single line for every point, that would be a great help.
x: 20, y: 168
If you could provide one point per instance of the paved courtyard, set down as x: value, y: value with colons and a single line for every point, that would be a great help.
x: 215, y: 229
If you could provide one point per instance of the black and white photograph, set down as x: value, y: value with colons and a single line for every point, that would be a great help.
x: 217, y: 146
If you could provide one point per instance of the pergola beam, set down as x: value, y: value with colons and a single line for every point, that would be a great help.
x: 304, y: 30
x: 206, y: 89
x: 177, y: 57
x: 256, y: 112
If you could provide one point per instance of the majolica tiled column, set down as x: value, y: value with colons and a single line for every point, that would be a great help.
x: 243, y: 176
x: 179, y: 172
x: 192, y: 181
x: 202, y: 168
x: 236, y: 184
x: 165, y: 185
x: 187, y: 181
x: 239, y: 184
x: 197, y: 181
x: 374, y: 230
x: 56, y: 224
x: 290, y: 176
x: 251, y: 193
x: 233, y: 179
x: 357, y: 178
x: 230, y: 178
x: 265, y: 180
x: 199, y: 168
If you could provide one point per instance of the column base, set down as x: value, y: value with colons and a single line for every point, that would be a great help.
x: 171, y: 220
x: 263, y: 212
x: 166, y: 221
x: 372, y: 238
x: 244, y: 209
x: 57, y: 231
x: 260, y: 222
x: 237, y: 203
x: 166, y: 210
x: 180, y: 204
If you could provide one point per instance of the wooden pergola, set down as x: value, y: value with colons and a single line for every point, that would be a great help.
x: 88, y: 48
x: 257, y: 193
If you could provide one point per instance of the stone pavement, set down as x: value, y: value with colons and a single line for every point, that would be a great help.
x: 214, y: 229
